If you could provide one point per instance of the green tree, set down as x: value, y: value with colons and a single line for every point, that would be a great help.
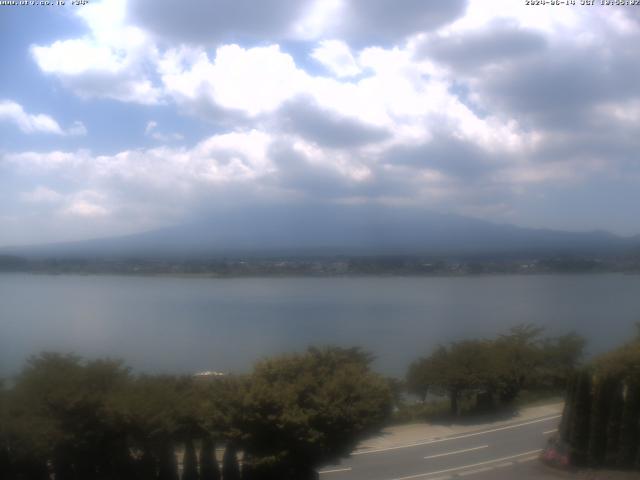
x: 613, y: 425
x: 306, y: 409
x: 156, y: 413
x: 190, y: 462
x: 209, y: 469
x: 601, y: 422
x: 463, y: 367
x: 230, y: 466
x: 568, y: 413
x: 630, y: 424
x: 4, y: 433
x: 518, y: 359
x: 561, y: 357
x: 600, y: 412
x: 60, y: 410
x: 420, y: 378
x: 579, y: 435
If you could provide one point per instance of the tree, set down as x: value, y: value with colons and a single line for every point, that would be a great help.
x: 601, y: 420
x: 230, y: 466
x: 579, y: 434
x: 568, y: 412
x: 61, y: 414
x: 190, y: 462
x: 518, y: 359
x: 463, y: 367
x: 420, y: 378
x: 5, y: 464
x: 600, y: 411
x: 209, y: 469
x: 306, y: 409
x: 613, y: 425
x: 630, y: 424
x: 156, y: 413
x: 167, y: 465
x: 560, y: 358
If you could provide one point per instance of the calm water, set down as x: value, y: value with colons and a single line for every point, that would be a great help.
x: 182, y: 325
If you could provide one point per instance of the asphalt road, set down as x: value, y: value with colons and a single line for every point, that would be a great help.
x: 505, y: 452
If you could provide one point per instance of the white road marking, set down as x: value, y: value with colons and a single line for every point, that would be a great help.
x: 550, y: 431
x: 475, y: 472
x: 463, y: 467
x: 335, y: 470
x: 456, y: 452
x: 527, y: 459
x: 466, y: 473
x: 448, y: 439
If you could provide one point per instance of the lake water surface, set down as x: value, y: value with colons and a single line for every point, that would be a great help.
x: 192, y: 324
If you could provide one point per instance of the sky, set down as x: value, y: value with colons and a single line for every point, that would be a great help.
x: 120, y: 116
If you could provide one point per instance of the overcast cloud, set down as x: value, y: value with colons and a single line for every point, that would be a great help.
x: 146, y: 112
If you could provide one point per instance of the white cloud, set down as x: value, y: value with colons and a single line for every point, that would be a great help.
x: 111, y: 62
x: 336, y: 56
x: 397, y: 93
x: 255, y: 80
x: 36, y: 123
x: 214, y: 22
x: 550, y: 20
x: 41, y: 123
x: 77, y: 128
x: 518, y: 89
x: 151, y: 126
x: 42, y: 195
x: 151, y: 131
x: 317, y: 19
x: 85, y: 205
x: 257, y: 166
x: 220, y: 158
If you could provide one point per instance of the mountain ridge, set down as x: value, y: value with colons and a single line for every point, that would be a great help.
x: 335, y: 231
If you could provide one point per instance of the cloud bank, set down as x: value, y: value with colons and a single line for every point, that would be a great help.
x: 498, y: 111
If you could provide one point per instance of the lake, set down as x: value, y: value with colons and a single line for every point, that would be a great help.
x: 191, y: 324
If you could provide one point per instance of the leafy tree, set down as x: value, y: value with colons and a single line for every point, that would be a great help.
x: 230, y: 466
x: 561, y: 357
x: 630, y: 424
x: 568, y: 413
x: 190, y: 462
x: 490, y: 370
x: 4, y: 434
x: 463, y: 367
x: 623, y: 365
x: 518, y: 358
x: 306, y: 409
x: 167, y: 465
x: 155, y: 411
x: 579, y: 435
x: 420, y: 378
x: 600, y: 411
x: 60, y: 407
x: 613, y: 425
x: 218, y: 408
x: 209, y: 469
x: 609, y: 410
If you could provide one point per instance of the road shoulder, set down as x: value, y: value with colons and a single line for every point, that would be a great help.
x: 406, y: 435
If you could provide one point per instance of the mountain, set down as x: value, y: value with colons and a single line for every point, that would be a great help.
x: 339, y: 230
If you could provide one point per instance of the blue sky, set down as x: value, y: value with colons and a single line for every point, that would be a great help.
x: 120, y: 116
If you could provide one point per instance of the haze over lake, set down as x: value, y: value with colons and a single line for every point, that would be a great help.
x: 192, y: 324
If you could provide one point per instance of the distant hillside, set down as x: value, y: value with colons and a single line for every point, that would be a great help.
x: 357, y: 230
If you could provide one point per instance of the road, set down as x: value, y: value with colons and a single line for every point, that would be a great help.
x: 507, y: 451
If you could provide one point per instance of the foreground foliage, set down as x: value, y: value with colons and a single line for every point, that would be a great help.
x: 494, y: 372
x: 83, y: 420
x: 601, y: 420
